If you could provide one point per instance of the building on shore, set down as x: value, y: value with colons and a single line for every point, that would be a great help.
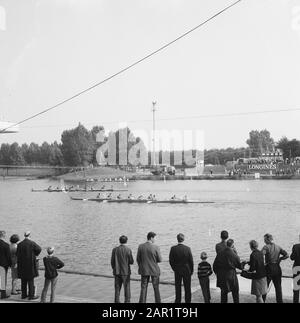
x: 271, y: 163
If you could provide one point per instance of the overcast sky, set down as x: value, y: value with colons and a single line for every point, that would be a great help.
x: 247, y: 59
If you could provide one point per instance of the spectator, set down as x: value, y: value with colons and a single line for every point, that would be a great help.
x: 257, y: 269
x: 51, y: 264
x: 5, y: 263
x: 204, y: 271
x: 181, y: 262
x: 225, y: 266
x: 14, y: 239
x: 295, y: 256
x: 148, y: 257
x: 274, y: 254
x: 27, y: 252
x: 222, y: 245
x: 121, y: 259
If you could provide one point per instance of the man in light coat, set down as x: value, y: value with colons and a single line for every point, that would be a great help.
x: 148, y: 257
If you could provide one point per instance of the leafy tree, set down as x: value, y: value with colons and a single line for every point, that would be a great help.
x: 45, y: 151
x: 260, y: 142
x: 33, y: 154
x: 55, y: 156
x: 5, y: 154
x: 77, y: 146
x: 290, y: 148
x: 16, y: 155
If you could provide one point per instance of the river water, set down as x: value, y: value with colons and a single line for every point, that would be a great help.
x: 84, y: 233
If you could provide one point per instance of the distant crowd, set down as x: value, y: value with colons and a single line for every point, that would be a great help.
x: 262, y: 268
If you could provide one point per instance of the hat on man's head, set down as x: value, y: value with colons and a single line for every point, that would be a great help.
x: 27, y: 234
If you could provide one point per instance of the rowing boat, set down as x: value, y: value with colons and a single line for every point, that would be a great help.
x: 146, y: 201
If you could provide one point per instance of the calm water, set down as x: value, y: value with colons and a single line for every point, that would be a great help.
x: 85, y: 232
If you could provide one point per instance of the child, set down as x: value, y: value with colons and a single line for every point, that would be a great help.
x: 204, y: 271
x: 51, y: 265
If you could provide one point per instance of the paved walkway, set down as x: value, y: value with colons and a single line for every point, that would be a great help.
x: 88, y: 289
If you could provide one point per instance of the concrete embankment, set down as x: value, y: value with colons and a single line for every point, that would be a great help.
x: 96, y: 288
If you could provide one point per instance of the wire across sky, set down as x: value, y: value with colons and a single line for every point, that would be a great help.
x: 59, y: 104
x: 204, y: 116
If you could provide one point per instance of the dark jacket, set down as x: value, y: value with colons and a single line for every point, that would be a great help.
x: 27, y: 252
x: 121, y: 259
x: 181, y: 259
x: 148, y: 257
x: 51, y: 265
x: 296, y: 255
x: 257, y: 265
x: 220, y: 246
x: 225, y: 266
x: 5, y: 258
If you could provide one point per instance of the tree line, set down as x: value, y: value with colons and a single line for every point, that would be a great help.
x: 79, y: 147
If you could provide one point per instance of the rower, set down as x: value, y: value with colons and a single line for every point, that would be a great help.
x: 130, y: 197
x: 150, y: 197
x: 99, y: 196
x: 109, y: 196
x: 103, y: 187
x: 49, y: 188
x: 173, y: 197
x: 119, y: 197
x: 185, y: 198
x: 140, y: 197
x: 154, y: 197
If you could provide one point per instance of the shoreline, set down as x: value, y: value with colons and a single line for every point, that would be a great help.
x: 174, y: 178
x: 134, y: 178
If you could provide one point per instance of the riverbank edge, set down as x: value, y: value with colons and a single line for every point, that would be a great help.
x: 130, y: 177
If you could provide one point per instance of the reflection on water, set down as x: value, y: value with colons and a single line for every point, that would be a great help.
x: 85, y: 232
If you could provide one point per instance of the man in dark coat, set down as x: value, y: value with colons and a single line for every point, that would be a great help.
x: 222, y: 245
x: 181, y: 261
x: 121, y: 259
x: 5, y: 263
x: 148, y: 257
x: 224, y: 267
x: 295, y: 256
x: 27, y: 252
